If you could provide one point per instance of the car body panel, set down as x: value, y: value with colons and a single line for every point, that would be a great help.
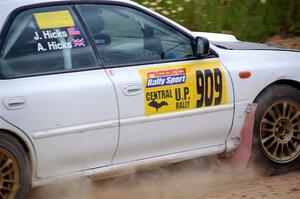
x: 266, y: 67
x: 68, y: 141
x: 11, y: 5
x: 218, y: 37
x: 7, y: 6
x: 141, y: 134
x: 8, y: 127
x: 238, y: 45
x: 133, y: 166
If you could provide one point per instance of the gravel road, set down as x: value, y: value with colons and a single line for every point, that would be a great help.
x: 189, y: 180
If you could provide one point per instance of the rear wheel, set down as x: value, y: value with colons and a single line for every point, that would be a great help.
x: 14, y: 172
x: 276, y: 141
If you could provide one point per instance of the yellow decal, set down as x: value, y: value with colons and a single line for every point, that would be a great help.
x: 184, y: 87
x: 56, y: 19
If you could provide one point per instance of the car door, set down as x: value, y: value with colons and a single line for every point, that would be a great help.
x: 53, y: 89
x: 169, y: 100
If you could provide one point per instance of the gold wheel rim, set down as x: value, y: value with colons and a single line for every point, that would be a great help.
x: 9, y: 175
x: 280, y: 132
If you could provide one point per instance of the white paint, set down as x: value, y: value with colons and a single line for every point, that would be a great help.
x: 75, y: 129
x: 216, y: 36
x: 265, y: 66
x: 144, y: 119
x: 128, y: 167
x: 149, y: 136
x: 76, y: 115
x: 18, y: 132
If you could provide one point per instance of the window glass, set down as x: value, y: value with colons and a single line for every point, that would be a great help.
x: 125, y: 36
x: 45, y: 40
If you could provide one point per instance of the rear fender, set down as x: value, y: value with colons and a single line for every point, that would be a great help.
x: 24, y: 139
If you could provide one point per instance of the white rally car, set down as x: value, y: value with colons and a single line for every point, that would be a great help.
x: 92, y: 88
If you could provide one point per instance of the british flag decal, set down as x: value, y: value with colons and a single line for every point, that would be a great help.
x: 78, y: 43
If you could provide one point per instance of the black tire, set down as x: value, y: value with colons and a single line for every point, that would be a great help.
x: 12, y: 151
x: 276, y: 136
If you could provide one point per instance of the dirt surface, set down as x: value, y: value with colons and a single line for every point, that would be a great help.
x: 289, y: 42
x: 278, y: 187
x: 195, y: 179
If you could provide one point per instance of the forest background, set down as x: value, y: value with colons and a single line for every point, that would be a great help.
x: 251, y: 20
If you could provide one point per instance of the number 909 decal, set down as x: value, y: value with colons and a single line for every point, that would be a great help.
x: 183, y: 87
x: 209, y: 87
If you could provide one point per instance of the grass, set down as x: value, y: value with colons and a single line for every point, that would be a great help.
x: 251, y: 20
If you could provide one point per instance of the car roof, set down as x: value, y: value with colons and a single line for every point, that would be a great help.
x: 7, y: 6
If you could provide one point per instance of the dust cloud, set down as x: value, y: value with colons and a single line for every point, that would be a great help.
x: 192, y: 179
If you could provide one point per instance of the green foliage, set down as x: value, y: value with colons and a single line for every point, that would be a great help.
x: 252, y: 20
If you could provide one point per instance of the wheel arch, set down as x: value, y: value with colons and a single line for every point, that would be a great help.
x: 25, y: 142
x: 18, y: 138
x: 283, y: 89
x: 244, y: 148
x: 292, y: 83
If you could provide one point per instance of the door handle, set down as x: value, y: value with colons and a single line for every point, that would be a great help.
x: 14, y: 103
x: 131, y: 89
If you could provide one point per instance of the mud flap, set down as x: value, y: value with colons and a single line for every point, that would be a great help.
x: 238, y: 161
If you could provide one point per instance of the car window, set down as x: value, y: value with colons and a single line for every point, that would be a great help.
x: 126, y: 36
x: 44, y: 40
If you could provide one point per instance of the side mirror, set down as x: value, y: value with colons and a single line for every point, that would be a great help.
x: 202, y: 47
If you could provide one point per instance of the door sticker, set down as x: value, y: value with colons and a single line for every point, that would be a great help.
x: 57, y: 31
x: 55, y: 19
x: 184, y: 87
